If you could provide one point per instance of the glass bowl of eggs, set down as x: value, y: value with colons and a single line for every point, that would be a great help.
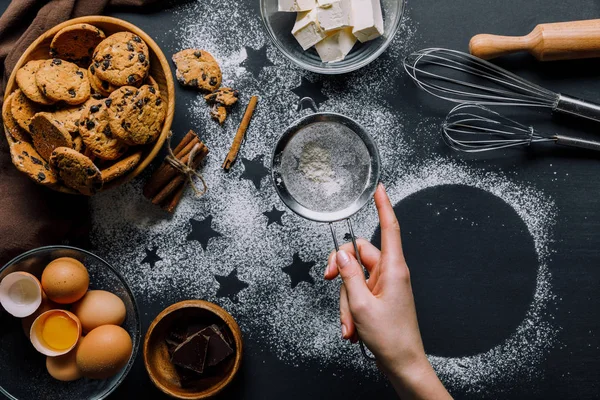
x: 69, y: 326
x: 332, y: 36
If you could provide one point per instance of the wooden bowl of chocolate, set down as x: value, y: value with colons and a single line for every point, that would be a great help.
x: 88, y: 105
x: 193, y: 349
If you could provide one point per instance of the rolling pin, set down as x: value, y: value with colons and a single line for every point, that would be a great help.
x: 547, y: 42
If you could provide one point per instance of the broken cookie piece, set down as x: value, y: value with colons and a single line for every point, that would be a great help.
x: 221, y: 100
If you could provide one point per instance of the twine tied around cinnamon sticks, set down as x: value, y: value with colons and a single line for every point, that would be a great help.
x: 187, y: 169
x: 168, y: 183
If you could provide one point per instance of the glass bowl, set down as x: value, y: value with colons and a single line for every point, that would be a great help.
x: 23, y: 375
x: 279, y: 26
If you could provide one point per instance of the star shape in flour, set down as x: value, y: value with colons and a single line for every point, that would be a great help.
x: 299, y: 271
x: 230, y: 285
x: 254, y: 170
x: 314, y: 90
x: 151, y: 257
x: 202, y: 231
x: 274, y: 216
x: 256, y: 60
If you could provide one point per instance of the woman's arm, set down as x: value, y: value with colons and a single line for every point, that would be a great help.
x: 382, y: 310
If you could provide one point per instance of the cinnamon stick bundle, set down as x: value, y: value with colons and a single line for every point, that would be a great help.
x: 168, y: 183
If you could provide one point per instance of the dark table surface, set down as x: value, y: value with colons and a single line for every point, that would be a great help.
x: 503, y: 248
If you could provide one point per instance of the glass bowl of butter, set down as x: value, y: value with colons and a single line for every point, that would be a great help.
x: 332, y: 36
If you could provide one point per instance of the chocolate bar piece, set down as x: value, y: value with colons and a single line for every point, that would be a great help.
x: 218, y: 347
x: 192, y: 353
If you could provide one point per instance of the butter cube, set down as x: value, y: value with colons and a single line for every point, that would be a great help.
x: 367, y: 19
x: 296, y: 5
x: 336, y: 46
x: 333, y: 15
x: 307, y: 30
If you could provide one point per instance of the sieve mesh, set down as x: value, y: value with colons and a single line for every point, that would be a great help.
x: 325, y: 166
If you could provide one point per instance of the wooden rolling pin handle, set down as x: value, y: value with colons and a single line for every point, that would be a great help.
x: 547, y: 42
x: 492, y: 46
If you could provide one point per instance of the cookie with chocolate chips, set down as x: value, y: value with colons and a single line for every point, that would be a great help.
x: 197, y: 68
x: 76, y: 170
x: 61, y: 80
x: 122, y: 59
x: 28, y: 161
x: 95, y: 130
x: 10, y: 123
x: 26, y: 80
x: 23, y: 109
x: 76, y: 43
x: 48, y: 134
x: 121, y: 167
x: 136, y: 115
x: 69, y: 116
x: 103, y: 88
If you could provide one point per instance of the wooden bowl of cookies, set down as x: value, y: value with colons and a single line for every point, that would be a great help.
x: 89, y: 105
x: 193, y: 349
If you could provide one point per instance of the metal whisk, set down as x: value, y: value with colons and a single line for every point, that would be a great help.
x: 473, y: 128
x: 462, y: 78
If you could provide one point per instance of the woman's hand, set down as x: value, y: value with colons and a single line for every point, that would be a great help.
x: 381, y: 311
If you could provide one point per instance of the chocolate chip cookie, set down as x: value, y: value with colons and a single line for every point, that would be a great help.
x: 62, y: 80
x: 76, y: 170
x: 121, y: 167
x: 11, y: 124
x: 197, y: 68
x: 95, y: 130
x: 23, y: 109
x: 48, y: 134
x: 218, y: 113
x: 28, y: 161
x: 98, y: 85
x: 122, y: 59
x: 136, y: 115
x: 26, y: 80
x: 69, y: 116
x: 76, y: 43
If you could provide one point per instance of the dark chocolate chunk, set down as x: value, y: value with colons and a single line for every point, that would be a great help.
x: 90, y: 124
x: 108, y: 102
x: 218, y: 348
x: 95, y: 108
x: 204, y: 76
x: 198, y: 53
x: 141, y: 57
x: 129, y: 46
x: 158, y: 101
x: 192, y: 353
x: 213, y: 81
x: 137, y: 39
x: 72, y: 93
x: 152, y: 90
x: 56, y: 61
x: 105, y: 85
x: 131, y: 79
x: 92, y: 69
x: 131, y: 56
x: 105, y: 64
x: 90, y: 171
x: 80, y: 74
x: 35, y: 160
x: 41, y: 176
x: 194, y: 82
x: 139, y: 103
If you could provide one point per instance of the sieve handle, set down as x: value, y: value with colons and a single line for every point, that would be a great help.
x: 363, y: 350
x: 311, y: 104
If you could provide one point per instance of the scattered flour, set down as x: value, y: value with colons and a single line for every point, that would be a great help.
x: 302, y: 323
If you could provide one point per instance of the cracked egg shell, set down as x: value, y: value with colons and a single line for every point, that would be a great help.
x: 20, y: 294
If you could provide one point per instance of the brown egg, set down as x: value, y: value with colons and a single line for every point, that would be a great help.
x: 64, y: 368
x: 104, y: 352
x: 99, y: 307
x: 65, y: 280
x: 46, y: 305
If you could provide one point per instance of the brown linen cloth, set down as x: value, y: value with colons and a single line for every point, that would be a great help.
x: 31, y: 215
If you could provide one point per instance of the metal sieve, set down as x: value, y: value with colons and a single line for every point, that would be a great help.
x: 325, y: 168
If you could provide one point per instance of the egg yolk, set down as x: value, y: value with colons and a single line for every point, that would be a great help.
x: 60, y: 332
